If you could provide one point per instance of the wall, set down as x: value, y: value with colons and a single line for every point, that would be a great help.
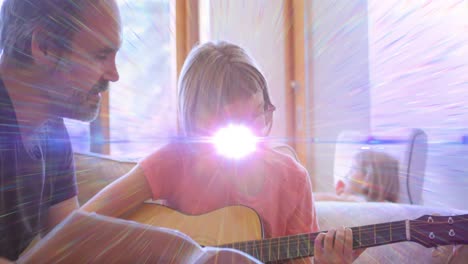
x: 418, y: 60
x: 338, y: 79
x: 406, y: 70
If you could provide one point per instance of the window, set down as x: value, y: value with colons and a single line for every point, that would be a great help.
x: 143, y: 102
x: 79, y: 135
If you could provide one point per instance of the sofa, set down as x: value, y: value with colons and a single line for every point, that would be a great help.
x: 94, y: 172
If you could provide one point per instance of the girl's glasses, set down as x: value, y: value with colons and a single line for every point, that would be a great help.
x: 260, y: 122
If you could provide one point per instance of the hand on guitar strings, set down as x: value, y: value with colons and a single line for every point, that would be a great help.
x: 335, y: 246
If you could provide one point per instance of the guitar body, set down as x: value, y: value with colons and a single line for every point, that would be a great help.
x: 223, y: 226
x: 91, y: 238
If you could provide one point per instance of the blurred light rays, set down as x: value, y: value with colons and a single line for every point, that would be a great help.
x: 235, y: 141
x: 377, y: 65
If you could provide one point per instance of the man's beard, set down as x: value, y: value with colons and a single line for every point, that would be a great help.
x: 79, y: 105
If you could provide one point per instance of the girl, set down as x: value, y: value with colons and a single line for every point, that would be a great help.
x: 220, y: 85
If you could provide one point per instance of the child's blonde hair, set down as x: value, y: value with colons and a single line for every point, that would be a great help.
x: 214, y: 75
x: 380, y: 172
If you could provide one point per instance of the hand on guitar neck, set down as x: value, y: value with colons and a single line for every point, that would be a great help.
x: 335, y: 246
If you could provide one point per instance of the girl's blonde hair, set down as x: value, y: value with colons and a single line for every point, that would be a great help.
x: 214, y: 75
x: 380, y: 172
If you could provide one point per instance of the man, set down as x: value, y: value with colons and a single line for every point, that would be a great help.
x: 52, y: 67
x: 58, y: 57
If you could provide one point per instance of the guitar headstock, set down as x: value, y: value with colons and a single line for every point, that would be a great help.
x: 432, y: 230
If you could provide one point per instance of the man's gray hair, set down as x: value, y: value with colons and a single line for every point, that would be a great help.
x: 57, y: 21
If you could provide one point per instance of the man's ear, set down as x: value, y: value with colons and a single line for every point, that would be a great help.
x: 41, y: 51
x: 339, y: 187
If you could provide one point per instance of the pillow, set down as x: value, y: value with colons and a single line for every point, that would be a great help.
x: 94, y: 172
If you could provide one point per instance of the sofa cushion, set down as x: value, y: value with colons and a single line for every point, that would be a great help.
x: 94, y: 172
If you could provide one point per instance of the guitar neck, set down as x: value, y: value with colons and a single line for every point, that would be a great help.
x: 302, y: 245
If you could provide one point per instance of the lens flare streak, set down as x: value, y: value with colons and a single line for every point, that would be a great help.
x: 235, y: 141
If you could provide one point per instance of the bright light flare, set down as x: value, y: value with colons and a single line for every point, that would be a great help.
x: 235, y: 141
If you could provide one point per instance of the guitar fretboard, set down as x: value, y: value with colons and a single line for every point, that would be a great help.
x: 300, y: 246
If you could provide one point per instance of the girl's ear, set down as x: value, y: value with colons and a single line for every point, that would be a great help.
x: 339, y: 187
x: 268, y: 124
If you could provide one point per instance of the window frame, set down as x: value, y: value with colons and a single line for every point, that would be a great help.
x: 187, y: 35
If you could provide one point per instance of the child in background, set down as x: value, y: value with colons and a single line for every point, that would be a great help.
x: 373, y: 177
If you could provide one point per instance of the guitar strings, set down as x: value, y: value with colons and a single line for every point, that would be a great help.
x: 302, y: 244
x: 300, y: 237
x: 395, y: 226
x: 298, y: 246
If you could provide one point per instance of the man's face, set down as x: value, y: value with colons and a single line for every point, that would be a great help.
x: 79, y: 77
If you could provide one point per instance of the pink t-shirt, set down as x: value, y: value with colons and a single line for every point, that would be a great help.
x: 196, y: 180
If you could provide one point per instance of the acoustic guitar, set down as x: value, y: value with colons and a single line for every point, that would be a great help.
x: 240, y: 228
